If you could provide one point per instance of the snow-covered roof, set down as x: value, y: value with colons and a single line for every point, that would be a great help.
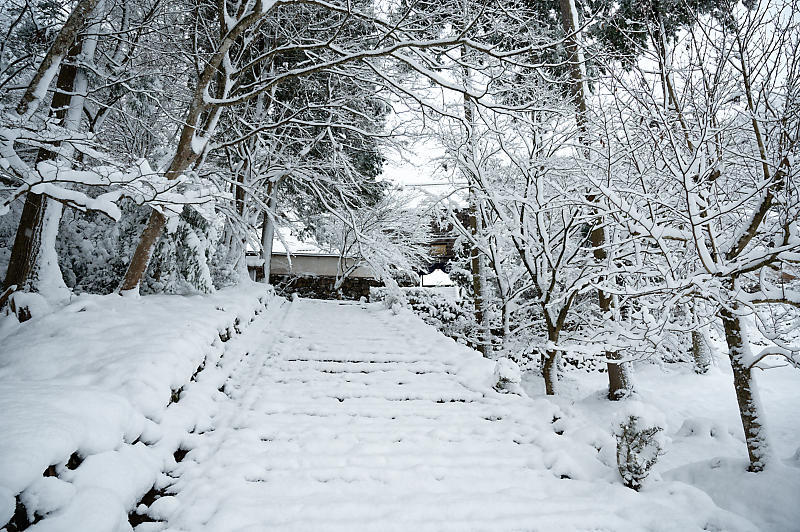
x: 294, y: 245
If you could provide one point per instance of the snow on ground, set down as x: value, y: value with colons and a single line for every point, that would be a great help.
x: 91, y: 383
x: 344, y: 416
x: 705, y: 440
x: 351, y: 418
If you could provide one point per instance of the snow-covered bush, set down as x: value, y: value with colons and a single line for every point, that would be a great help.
x: 8, y: 231
x: 508, y: 376
x: 449, y: 316
x: 393, y: 298
x: 639, y: 443
x: 94, y: 251
x: 180, y: 261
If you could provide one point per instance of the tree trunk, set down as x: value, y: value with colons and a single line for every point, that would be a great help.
x: 619, y: 380
x: 37, y: 88
x: 550, y: 372
x: 200, y: 123
x: 478, y: 267
x: 620, y: 383
x: 268, y: 230
x: 700, y: 353
x: 46, y: 277
x: 141, y: 257
x: 27, y: 242
x: 746, y: 392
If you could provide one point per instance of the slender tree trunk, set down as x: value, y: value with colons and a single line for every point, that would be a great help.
x: 477, y: 263
x: 184, y: 157
x: 141, y: 257
x: 700, y: 355
x: 551, y: 359
x: 746, y: 392
x: 46, y: 277
x: 241, y: 209
x: 200, y: 123
x: 478, y: 266
x: 268, y: 230
x: 620, y: 383
x: 506, y: 320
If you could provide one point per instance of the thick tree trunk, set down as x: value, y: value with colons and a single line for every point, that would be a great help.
x: 26, y: 243
x: 550, y: 372
x: 37, y: 88
x: 141, y: 257
x: 25, y: 252
x: 620, y: 382
x: 746, y: 392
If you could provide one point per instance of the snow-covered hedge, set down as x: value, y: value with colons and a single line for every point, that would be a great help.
x: 98, y: 396
x: 453, y: 318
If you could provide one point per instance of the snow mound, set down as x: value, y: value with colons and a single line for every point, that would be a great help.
x: 95, y: 398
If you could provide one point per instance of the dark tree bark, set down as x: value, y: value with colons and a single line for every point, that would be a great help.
x: 141, y: 257
x: 59, y: 49
x: 184, y: 158
x: 746, y: 394
x: 619, y: 381
x: 25, y: 252
x: 478, y: 277
x: 550, y: 372
x: 700, y: 353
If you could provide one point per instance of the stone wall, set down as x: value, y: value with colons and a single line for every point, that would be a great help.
x: 321, y: 287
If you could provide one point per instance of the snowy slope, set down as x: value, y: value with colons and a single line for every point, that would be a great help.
x: 350, y: 418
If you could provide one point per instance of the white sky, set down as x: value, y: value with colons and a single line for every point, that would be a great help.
x: 418, y: 157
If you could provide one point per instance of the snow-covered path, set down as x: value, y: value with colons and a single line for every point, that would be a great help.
x: 350, y: 418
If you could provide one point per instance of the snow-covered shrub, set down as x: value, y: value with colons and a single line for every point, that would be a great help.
x: 639, y: 443
x: 507, y: 376
x: 94, y: 251
x: 392, y: 297
x: 180, y: 261
x: 8, y: 231
x: 449, y: 316
x: 226, y: 264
